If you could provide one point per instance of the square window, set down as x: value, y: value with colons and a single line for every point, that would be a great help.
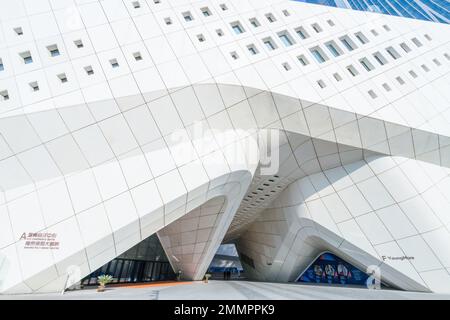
x: 234, y: 55
x: 114, y: 63
x: 137, y: 56
x: 269, y: 43
x: 34, y: 86
x: 286, y: 13
x: 352, y: 70
x: 252, y: 49
x: 270, y: 17
x: 302, y: 33
x: 393, y: 53
x: 316, y: 27
x: 219, y: 32
x: 18, y: 31
x: 89, y: 70
x: 224, y: 7
x: 380, y: 58
x: 285, y: 38
x: 156, y: 1
x: 62, y: 77
x: 361, y: 37
x: 1, y: 65
x: 416, y: 42
x: 286, y: 66
x: 187, y: 16
x: 206, y: 12
x: 168, y: 21
x: 334, y: 48
x: 237, y: 27
x: 26, y: 56
x: 366, y: 64
x: 321, y: 84
x: 303, y: 60
x: 79, y: 44
x: 318, y: 54
x: 4, y: 95
x: 136, y: 4
x: 254, y: 22
x: 436, y: 62
x: 337, y: 76
x: 348, y: 43
x: 200, y: 37
x: 405, y: 47
x: 400, y: 80
x: 54, y: 51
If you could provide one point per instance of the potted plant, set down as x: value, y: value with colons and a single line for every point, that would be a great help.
x: 207, y: 276
x: 103, y: 280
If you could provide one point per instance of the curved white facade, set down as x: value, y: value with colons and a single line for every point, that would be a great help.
x: 119, y: 119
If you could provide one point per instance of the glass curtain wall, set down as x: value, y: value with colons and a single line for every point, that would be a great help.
x: 431, y: 10
x: 145, y: 262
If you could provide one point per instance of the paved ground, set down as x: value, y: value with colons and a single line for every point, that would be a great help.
x: 225, y: 290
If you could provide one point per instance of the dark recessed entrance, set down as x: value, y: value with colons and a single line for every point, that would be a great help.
x: 145, y: 262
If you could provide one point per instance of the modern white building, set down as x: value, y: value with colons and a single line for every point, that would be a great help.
x: 286, y: 128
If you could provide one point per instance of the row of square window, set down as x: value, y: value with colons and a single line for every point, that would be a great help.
x: 34, y: 85
x: 302, y: 33
x: 28, y: 58
x: 206, y: 12
x: 187, y: 15
x: 368, y: 66
x: 63, y: 78
x: 319, y: 55
x: 54, y: 52
x: 238, y: 29
x: 352, y: 70
x: 317, y: 52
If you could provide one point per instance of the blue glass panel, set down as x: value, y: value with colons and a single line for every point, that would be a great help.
x: 440, y: 7
x: 388, y: 9
x: 431, y: 10
x: 417, y: 11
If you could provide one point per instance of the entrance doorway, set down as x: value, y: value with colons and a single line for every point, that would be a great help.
x: 145, y: 262
x: 226, y: 264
